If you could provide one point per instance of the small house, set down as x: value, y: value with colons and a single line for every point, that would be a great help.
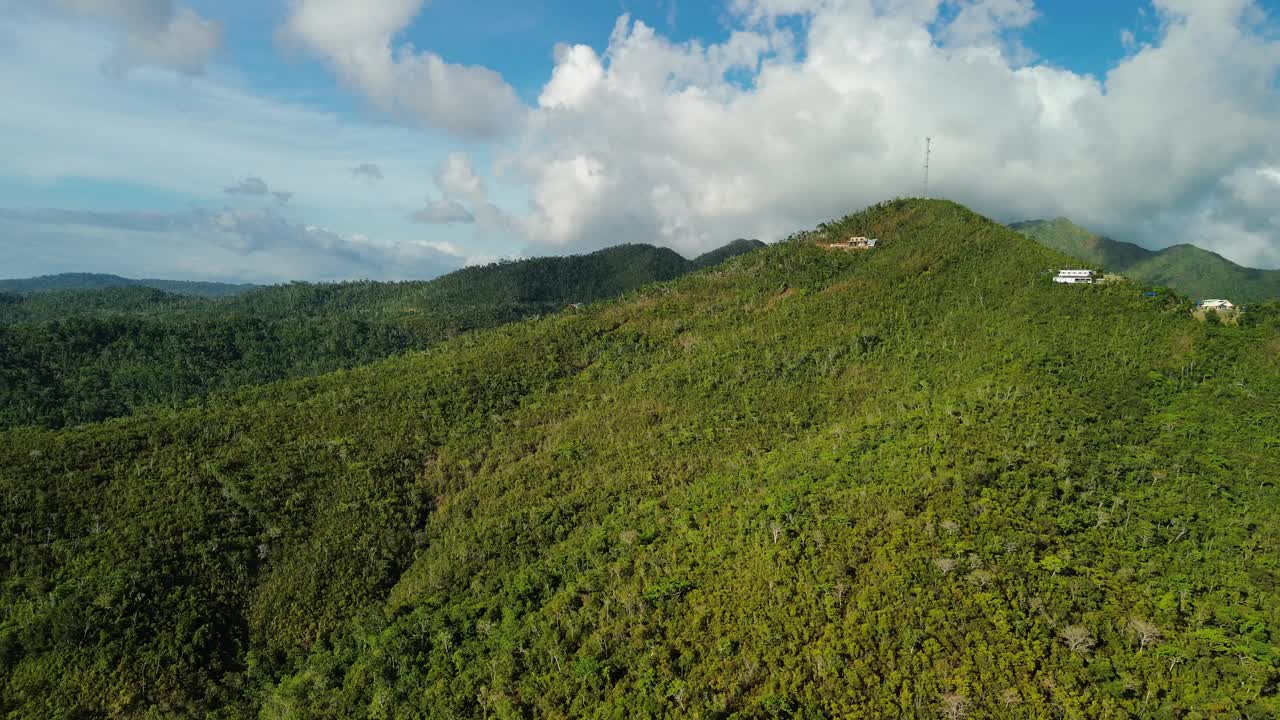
x: 1074, y: 277
x: 1216, y: 304
x: 855, y: 243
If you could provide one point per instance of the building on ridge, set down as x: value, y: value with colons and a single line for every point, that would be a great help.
x: 855, y: 243
x: 1074, y: 277
x: 1216, y: 304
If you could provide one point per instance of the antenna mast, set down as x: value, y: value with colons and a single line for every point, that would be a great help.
x: 928, y: 148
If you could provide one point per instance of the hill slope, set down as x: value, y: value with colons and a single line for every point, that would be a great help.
x: 1185, y: 268
x: 74, y: 356
x: 737, y: 247
x: 896, y: 483
x: 99, y: 281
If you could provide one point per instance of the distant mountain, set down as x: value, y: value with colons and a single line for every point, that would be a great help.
x: 724, y: 252
x: 922, y: 482
x: 74, y: 356
x: 1188, y: 269
x: 121, y: 301
x: 98, y: 281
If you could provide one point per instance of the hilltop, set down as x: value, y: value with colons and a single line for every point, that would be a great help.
x: 740, y: 246
x: 919, y: 481
x: 1185, y: 268
x: 99, y: 281
x: 74, y: 356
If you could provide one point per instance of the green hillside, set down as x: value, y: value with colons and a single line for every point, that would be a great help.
x: 922, y: 481
x: 99, y: 281
x: 74, y: 356
x: 720, y: 254
x: 1185, y: 268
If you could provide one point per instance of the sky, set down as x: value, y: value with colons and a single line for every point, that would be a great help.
x: 276, y: 140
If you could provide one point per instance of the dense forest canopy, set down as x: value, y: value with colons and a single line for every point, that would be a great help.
x: 921, y: 481
x: 75, y: 356
x: 1186, y: 268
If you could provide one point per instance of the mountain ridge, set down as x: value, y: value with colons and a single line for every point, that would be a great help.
x: 1184, y: 267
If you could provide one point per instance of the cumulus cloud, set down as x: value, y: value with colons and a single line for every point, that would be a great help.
x: 357, y: 41
x: 443, y: 212
x: 157, y: 33
x: 367, y: 171
x: 258, y: 244
x: 457, y: 178
x: 458, y: 182
x: 813, y: 108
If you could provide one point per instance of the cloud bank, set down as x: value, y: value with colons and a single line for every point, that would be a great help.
x: 254, y: 245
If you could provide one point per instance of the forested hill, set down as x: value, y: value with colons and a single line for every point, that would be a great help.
x: 75, y: 356
x: 1185, y: 268
x: 921, y: 481
x: 720, y: 254
x: 98, y: 281
x: 524, y: 287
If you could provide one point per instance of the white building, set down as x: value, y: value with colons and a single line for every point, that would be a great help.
x: 1216, y: 305
x: 857, y: 243
x: 1074, y: 277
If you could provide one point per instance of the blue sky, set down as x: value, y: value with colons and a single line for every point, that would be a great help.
x: 501, y: 128
x: 516, y: 38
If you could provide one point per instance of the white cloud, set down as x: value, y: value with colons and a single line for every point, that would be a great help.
x: 443, y: 212
x: 185, y: 43
x: 257, y: 245
x: 458, y: 181
x: 248, y: 186
x: 984, y: 21
x: 156, y: 33
x: 358, y: 41
x: 578, y: 70
x: 457, y: 178
x: 690, y: 145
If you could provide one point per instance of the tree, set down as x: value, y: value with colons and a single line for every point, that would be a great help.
x: 1145, y: 632
x: 954, y: 706
x: 1078, y: 639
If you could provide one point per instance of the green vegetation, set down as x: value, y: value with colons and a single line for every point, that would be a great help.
x: 737, y: 247
x: 99, y: 281
x: 134, y: 301
x: 1185, y: 268
x: 74, y: 356
x: 921, y: 481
